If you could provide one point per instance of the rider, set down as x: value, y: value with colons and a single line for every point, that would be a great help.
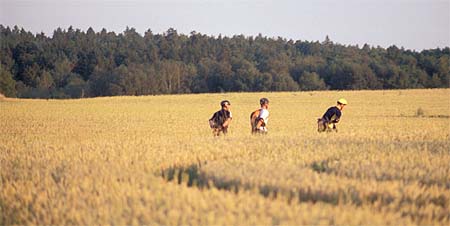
x: 259, y: 123
x: 221, y: 119
x: 331, y: 117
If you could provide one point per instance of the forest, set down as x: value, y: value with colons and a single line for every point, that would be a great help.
x: 76, y: 64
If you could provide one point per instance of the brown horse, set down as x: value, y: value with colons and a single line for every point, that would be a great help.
x: 324, y: 126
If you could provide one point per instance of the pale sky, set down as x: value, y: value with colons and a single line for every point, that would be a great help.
x: 413, y: 24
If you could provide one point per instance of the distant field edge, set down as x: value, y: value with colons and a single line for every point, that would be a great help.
x: 3, y: 98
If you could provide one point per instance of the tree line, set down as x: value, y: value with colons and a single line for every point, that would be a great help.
x: 75, y: 64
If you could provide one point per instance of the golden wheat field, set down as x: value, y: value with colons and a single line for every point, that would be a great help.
x: 153, y: 160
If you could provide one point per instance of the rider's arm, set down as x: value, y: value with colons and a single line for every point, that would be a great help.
x: 228, y: 116
x: 337, y: 116
x: 263, y: 115
x: 227, y: 122
x: 260, y: 123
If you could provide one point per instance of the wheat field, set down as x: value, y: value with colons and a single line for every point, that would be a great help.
x: 153, y: 160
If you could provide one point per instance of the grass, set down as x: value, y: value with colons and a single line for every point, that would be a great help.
x: 153, y: 160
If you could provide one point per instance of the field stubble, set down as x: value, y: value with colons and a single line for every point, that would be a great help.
x: 119, y: 160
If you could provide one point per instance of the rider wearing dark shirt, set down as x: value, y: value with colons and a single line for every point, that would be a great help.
x: 221, y: 119
x: 332, y: 115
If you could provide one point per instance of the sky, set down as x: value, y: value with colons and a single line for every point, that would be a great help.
x: 412, y: 24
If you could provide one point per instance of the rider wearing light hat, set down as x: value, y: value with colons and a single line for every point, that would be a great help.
x: 331, y: 117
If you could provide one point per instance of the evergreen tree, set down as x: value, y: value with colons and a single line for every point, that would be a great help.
x: 73, y: 63
x: 7, y: 83
x: 311, y: 81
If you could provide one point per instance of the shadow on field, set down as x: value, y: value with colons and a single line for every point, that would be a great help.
x: 192, y: 176
x: 326, y: 167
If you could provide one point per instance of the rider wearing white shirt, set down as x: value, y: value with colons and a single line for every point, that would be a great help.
x: 263, y: 117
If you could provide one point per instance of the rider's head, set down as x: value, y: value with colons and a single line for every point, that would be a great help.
x: 264, y: 102
x: 225, y: 104
x: 341, y: 103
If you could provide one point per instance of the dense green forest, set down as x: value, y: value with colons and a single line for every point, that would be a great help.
x: 73, y: 64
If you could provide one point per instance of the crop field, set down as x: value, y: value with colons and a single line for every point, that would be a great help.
x: 153, y: 160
